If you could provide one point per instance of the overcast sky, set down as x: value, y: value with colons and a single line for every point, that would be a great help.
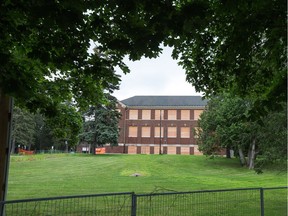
x: 160, y: 76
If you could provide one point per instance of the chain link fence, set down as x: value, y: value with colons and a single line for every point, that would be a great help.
x: 232, y: 202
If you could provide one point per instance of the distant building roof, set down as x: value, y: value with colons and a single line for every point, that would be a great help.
x: 162, y: 101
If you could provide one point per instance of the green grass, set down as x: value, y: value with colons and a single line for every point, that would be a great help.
x: 73, y: 174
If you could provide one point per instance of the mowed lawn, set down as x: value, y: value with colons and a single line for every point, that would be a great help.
x: 76, y: 174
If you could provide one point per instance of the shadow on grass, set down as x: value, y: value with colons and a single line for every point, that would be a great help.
x: 278, y: 167
x: 99, y: 155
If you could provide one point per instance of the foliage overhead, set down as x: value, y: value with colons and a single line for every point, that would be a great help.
x: 239, y: 46
x: 44, y: 51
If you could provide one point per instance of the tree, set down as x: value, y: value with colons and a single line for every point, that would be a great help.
x: 225, y: 125
x: 44, y: 138
x: 44, y: 49
x: 273, y: 139
x: 34, y: 130
x: 23, y: 129
x: 222, y: 126
x: 101, y: 124
x: 66, y: 125
x: 238, y: 47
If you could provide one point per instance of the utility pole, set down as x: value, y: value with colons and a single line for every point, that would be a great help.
x: 160, y: 151
x: 124, y: 129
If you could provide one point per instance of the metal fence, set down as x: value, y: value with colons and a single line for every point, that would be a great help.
x: 99, y: 204
x: 248, y: 201
x: 232, y: 202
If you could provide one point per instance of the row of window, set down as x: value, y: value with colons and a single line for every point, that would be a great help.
x: 171, y: 132
x: 159, y: 114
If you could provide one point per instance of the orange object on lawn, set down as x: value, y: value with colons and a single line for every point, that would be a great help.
x: 100, y: 150
x: 25, y: 152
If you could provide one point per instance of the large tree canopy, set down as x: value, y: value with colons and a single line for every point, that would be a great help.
x: 44, y: 48
x: 239, y: 46
x: 236, y: 45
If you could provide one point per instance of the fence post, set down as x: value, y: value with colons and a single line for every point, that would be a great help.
x: 2, y: 210
x: 262, y: 201
x: 133, y: 204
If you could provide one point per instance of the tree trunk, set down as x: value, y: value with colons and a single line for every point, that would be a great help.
x: 13, y: 146
x: 252, y: 155
x: 93, y: 149
x: 93, y: 146
x: 66, y: 146
x: 66, y: 149
x: 228, y: 155
x: 242, y: 157
x: 6, y: 104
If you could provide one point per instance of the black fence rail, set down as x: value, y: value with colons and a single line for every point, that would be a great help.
x: 248, y: 201
x: 98, y: 204
x: 232, y: 202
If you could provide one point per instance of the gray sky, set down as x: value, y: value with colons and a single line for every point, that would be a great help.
x: 160, y: 76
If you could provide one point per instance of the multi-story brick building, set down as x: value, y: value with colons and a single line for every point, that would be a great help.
x: 160, y: 124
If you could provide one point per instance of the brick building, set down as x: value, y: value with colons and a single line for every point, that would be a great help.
x: 160, y: 124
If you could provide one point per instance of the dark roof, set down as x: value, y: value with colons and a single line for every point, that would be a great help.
x: 165, y: 101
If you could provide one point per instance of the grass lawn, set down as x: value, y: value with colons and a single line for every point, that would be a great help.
x: 74, y: 174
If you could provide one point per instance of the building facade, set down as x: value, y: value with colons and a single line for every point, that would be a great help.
x: 160, y: 124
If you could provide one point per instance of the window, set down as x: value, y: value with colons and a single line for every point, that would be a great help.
x: 145, y: 132
x: 172, y: 114
x: 185, y: 114
x: 133, y: 131
x: 157, y: 114
x: 84, y: 149
x: 133, y: 114
x: 197, y: 114
x: 171, y: 132
x: 146, y: 114
x: 185, y: 132
x: 157, y: 132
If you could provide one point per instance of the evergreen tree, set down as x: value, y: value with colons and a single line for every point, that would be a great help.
x: 101, y: 124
